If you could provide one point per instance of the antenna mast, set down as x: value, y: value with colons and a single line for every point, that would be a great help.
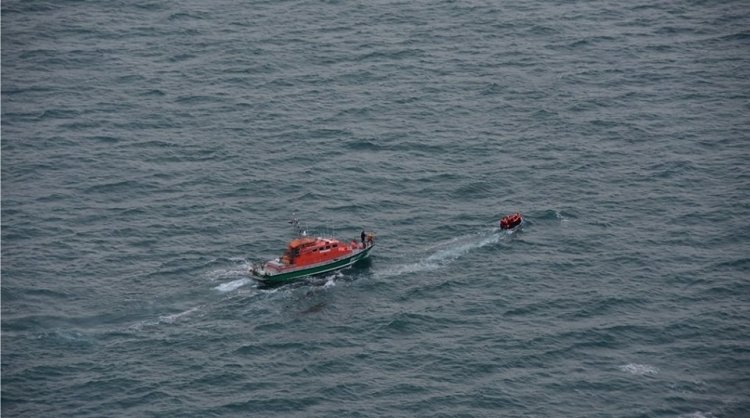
x: 295, y: 224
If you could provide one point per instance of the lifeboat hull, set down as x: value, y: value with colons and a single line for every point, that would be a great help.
x: 274, y: 272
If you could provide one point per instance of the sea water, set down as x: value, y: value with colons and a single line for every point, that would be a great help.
x: 153, y: 150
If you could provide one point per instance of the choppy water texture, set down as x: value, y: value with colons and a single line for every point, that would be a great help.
x: 151, y: 150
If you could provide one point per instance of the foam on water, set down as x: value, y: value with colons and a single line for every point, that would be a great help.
x: 698, y: 414
x: 331, y: 279
x: 170, y: 319
x: 639, y: 369
x: 241, y: 268
x: 233, y: 285
x: 403, y: 269
x: 165, y: 319
x: 444, y: 253
x: 459, y: 246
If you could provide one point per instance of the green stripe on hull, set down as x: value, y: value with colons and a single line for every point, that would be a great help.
x: 297, y: 274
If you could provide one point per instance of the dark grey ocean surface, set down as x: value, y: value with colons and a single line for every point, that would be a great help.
x: 152, y: 150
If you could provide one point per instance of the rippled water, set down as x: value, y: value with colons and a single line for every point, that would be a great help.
x: 152, y: 150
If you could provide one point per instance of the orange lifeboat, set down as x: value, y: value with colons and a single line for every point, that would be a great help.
x: 511, y: 221
x: 306, y: 256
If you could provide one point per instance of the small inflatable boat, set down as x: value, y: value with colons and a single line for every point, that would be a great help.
x: 510, y: 222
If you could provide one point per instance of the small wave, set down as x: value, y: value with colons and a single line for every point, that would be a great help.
x: 639, y: 369
x: 560, y: 216
x: 164, y: 319
x: 64, y: 337
x: 698, y: 414
x: 323, y: 281
x: 555, y: 214
x: 170, y: 319
x: 233, y: 285
x: 329, y: 283
x: 241, y: 269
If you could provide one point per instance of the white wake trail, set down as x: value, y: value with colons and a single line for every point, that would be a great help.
x: 445, y: 253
